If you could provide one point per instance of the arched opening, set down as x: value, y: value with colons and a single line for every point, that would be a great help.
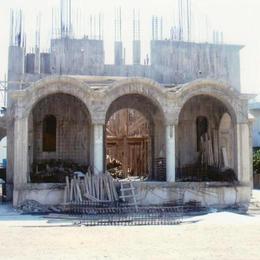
x: 128, y: 144
x: 59, y: 138
x: 205, y: 141
x: 134, y: 138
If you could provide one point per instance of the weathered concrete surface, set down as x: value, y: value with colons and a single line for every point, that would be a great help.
x: 77, y: 56
x: 181, y: 62
x: 164, y: 106
x: 45, y: 193
x: 209, y: 194
x: 150, y: 193
x: 171, y: 62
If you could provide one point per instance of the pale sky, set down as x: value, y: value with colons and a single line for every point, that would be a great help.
x: 238, y: 19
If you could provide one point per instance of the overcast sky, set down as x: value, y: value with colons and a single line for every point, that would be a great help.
x: 238, y: 19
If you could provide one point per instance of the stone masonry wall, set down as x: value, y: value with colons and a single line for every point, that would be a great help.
x: 73, y: 128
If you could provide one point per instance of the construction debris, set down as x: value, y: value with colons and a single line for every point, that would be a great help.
x: 55, y: 171
x: 117, y: 214
x: 209, y: 150
x: 90, y: 187
x: 35, y: 207
x: 199, y: 173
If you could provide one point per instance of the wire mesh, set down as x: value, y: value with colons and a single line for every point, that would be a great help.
x: 122, y: 214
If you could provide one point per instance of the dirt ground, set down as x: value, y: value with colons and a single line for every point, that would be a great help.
x: 223, y: 235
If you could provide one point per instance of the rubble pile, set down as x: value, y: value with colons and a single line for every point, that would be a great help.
x: 33, y: 206
x: 55, y: 171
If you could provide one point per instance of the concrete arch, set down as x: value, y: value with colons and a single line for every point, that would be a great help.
x: 133, y: 101
x: 218, y: 90
x: 137, y: 86
x: 30, y: 96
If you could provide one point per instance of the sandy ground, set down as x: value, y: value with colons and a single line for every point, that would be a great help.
x: 223, y: 235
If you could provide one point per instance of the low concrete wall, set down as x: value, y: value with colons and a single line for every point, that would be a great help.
x: 209, y: 194
x: 150, y: 193
x: 45, y: 193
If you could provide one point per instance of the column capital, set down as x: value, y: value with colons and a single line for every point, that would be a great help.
x: 97, y: 121
x: 174, y: 124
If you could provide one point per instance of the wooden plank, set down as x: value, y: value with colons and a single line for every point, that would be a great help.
x: 105, y: 179
x: 225, y: 158
x: 65, y: 195
x: 112, y: 187
x: 101, y: 192
x: 79, y: 197
x: 71, y: 190
x: 96, y: 182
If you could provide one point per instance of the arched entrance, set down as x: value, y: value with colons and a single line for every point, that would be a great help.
x: 205, y: 141
x: 134, y: 137
x: 128, y: 144
x: 59, y: 138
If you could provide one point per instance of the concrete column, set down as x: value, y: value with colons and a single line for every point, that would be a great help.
x: 37, y: 64
x: 20, y: 151
x: 15, y: 73
x: 98, y: 148
x: 170, y: 153
x: 244, y: 151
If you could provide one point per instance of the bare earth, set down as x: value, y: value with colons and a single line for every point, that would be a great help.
x: 222, y: 235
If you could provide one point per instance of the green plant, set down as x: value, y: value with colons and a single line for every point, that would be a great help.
x: 256, y: 162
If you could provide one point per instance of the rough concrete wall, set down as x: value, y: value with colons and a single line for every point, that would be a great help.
x: 15, y: 65
x: 128, y: 71
x: 77, y: 56
x: 172, y: 62
x: 45, y: 63
x: 186, y: 134
x: 136, y: 52
x: 181, y: 62
x: 73, y: 129
x: 30, y: 63
x: 118, y: 59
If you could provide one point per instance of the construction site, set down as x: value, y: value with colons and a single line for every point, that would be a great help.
x: 169, y: 130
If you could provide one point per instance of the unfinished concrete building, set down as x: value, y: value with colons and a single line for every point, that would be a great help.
x: 178, y: 123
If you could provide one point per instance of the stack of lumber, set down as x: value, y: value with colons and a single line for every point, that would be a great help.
x: 210, y: 149
x: 97, y: 188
